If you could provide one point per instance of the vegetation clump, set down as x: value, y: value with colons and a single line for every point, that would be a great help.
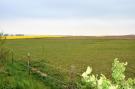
x: 118, y: 81
x: 4, y: 52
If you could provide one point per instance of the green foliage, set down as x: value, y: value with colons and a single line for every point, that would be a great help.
x: 4, y: 52
x: 118, y: 70
x: 2, y: 39
x: 118, y: 81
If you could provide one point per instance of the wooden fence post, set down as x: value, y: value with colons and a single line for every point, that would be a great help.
x: 42, y: 51
x: 12, y: 56
x: 28, y: 63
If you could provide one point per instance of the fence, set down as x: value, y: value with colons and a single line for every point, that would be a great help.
x: 55, y: 76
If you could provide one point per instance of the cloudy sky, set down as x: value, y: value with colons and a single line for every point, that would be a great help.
x: 68, y: 17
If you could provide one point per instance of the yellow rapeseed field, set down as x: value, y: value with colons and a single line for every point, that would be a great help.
x: 29, y: 37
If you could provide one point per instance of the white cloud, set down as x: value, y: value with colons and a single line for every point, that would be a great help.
x: 74, y: 26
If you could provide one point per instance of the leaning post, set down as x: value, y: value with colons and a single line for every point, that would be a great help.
x: 28, y: 63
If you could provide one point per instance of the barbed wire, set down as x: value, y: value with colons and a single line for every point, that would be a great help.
x: 58, y: 67
x: 57, y: 81
x: 131, y: 67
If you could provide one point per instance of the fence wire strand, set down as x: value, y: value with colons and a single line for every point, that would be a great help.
x: 57, y: 81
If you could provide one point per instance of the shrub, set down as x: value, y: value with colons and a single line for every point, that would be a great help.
x: 4, y: 52
x: 118, y: 81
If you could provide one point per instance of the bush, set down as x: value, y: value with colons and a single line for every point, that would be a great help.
x: 4, y: 52
x: 118, y: 81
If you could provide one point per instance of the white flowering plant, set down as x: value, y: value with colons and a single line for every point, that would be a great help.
x: 118, y: 81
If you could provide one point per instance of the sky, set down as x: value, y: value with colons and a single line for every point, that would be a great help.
x: 68, y: 17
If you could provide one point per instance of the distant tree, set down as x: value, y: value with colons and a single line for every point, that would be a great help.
x: 5, y: 34
x: 19, y: 34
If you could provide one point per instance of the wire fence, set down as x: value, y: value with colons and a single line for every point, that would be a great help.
x: 130, y: 71
x: 55, y: 76
x: 62, y: 77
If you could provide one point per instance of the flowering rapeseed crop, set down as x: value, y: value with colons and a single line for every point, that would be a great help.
x: 28, y: 37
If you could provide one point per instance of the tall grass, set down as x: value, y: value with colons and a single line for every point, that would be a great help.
x: 15, y: 76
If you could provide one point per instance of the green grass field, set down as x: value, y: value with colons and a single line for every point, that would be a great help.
x: 78, y: 51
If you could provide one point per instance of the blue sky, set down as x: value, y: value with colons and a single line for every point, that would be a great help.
x: 66, y: 8
x: 101, y: 17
